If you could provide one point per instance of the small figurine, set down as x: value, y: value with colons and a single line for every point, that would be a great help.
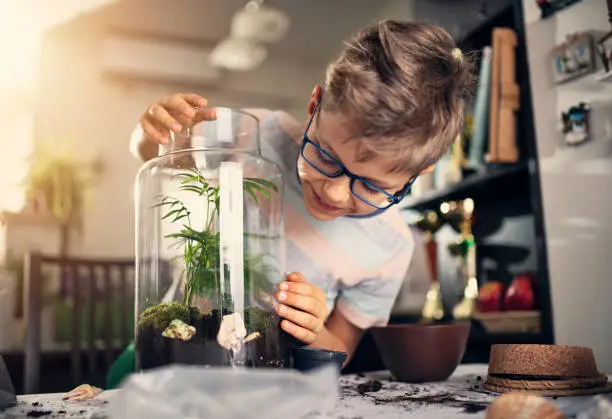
x: 576, y: 124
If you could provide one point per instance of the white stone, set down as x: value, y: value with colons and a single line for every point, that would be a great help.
x: 231, y: 332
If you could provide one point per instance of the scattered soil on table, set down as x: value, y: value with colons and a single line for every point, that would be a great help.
x: 474, y: 407
x: 417, y: 399
x: 38, y: 413
x: 371, y: 386
x: 42, y: 411
x: 443, y: 399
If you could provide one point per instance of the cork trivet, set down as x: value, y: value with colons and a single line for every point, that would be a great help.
x: 543, y: 360
x: 607, y: 388
x: 569, y: 384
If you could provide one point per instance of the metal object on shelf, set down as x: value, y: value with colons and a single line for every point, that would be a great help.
x: 433, y: 309
x: 460, y: 214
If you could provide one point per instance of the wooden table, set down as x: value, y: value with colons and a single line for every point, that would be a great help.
x: 460, y: 397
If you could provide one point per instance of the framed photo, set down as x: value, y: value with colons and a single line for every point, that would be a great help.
x: 574, y: 58
x: 550, y: 7
x: 604, y: 50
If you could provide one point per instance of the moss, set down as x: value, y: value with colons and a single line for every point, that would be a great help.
x: 160, y: 315
x: 258, y: 320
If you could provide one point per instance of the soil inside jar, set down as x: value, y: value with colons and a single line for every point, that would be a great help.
x: 266, y: 351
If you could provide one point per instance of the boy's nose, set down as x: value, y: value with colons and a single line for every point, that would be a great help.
x: 338, y: 191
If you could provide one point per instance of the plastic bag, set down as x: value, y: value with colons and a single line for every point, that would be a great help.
x: 225, y: 393
x: 587, y: 407
x: 7, y: 391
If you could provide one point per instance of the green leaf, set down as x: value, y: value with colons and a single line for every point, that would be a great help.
x: 191, y: 188
x: 181, y: 216
x: 171, y: 213
x: 265, y: 183
x: 249, y: 191
x: 259, y: 188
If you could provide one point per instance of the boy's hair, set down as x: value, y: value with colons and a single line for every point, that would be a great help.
x: 403, y: 88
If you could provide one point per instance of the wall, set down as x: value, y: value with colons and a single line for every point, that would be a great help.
x: 575, y: 185
x: 456, y: 16
x: 76, y: 105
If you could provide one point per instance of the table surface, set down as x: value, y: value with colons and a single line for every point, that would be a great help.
x: 461, y: 396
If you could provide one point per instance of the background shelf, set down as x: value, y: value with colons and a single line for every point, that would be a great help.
x: 496, y: 181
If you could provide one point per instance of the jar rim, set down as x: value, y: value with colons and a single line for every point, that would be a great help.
x: 255, y: 149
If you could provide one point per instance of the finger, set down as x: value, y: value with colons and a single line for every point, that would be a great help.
x: 303, y: 288
x: 301, y: 302
x: 194, y: 99
x: 201, y: 115
x: 298, y: 332
x: 153, y: 133
x: 300, y: 318
x: 157, y: 125
x: 296, y: 277
x: 182, y: 119
x: 162, y: 116
x: 205, y: 115
x: 176, y: 104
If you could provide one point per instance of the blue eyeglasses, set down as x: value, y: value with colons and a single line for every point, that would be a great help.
x: 363, y: 189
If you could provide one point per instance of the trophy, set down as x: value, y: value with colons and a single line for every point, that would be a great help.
x: 433, y: 309
x: 460, y: 215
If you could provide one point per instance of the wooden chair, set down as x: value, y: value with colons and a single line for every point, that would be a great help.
x: 89, y: 282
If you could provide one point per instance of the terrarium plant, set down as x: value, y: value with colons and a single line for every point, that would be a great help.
x: 167, y: 329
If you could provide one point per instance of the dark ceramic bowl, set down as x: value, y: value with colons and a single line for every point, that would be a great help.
x: 306, y: 359
x: 418, y: 353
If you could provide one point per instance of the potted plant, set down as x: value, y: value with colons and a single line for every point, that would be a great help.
x: 178, y: 331
x: 59, y: 185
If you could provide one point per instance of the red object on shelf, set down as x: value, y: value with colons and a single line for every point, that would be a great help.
x: 520, y: 294
x: 490, y: 297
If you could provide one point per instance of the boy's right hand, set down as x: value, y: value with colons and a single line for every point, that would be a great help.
x: 173, y: 113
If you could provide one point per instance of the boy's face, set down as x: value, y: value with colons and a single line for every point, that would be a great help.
x: 329, y: 198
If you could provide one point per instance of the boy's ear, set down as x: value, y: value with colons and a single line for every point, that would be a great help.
x: 314, y: 100
x: 429, y: 169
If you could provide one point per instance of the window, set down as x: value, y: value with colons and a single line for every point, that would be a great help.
x: 16, y: 145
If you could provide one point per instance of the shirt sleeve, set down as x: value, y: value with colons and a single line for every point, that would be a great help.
x: 369, y: 302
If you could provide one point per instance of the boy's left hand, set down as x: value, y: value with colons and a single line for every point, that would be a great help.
x: 303, y: 306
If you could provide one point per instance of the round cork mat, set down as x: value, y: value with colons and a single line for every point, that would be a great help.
x: 606, y: 388
x: 568, y: 384
x: 543, y: 360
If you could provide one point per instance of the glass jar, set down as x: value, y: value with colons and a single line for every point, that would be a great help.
x: 209, y: 249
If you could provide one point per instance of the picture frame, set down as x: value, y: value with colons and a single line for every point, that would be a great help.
x: 550, y: 7
x: 574, y: 58
x: 604, y: 51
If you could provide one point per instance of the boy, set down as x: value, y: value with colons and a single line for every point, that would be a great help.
x: 391, y: 106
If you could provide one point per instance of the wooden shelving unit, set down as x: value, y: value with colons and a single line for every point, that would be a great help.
x: 509, y: 224
x: 508, y: 197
